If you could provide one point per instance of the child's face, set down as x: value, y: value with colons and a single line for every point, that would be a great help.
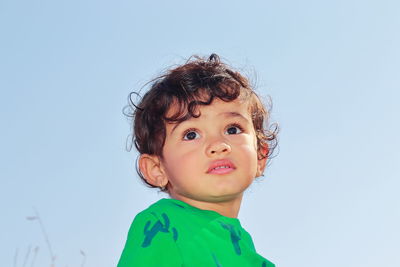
x: 223, y: 136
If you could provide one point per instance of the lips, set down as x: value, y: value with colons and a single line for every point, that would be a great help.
x: 221, y: 166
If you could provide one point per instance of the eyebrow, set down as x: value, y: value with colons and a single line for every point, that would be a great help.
x: 228, y: 114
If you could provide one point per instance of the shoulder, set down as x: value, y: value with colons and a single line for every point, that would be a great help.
x: 151, y: 233
x: 153, y: 223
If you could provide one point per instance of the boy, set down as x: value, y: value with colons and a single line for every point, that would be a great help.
x: 201, y: 138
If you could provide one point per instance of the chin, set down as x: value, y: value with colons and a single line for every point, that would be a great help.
x: 226, y: 194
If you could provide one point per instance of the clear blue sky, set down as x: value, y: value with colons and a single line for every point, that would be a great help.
x: 330, y: 198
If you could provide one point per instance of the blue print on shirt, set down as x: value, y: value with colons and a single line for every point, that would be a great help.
x: 179, y: 205
x: 216, y: 261
x: 157, y: 228
x: 235, y: 237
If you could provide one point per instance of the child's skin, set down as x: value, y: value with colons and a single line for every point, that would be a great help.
x: 223, y: 135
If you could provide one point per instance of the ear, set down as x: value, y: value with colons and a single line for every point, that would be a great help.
x: 262, y: 162
x: 150, y: 167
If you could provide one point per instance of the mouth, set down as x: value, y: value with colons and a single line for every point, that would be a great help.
x: 222, y: 166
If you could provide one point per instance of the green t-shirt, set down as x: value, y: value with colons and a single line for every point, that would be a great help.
x: 173, y: 233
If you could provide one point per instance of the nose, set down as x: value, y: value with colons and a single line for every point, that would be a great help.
x: 217, y: 148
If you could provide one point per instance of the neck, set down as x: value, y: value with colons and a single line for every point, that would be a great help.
x: 227, y: 207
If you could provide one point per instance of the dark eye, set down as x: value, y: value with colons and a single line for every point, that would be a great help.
x: 233, y: 130
x: 191, y: 135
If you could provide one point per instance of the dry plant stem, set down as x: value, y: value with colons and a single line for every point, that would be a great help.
x: 84, y: 258
x: 27, y: 256
x: 15, y: 257
x: 35, y: 251
x: 45, y: 236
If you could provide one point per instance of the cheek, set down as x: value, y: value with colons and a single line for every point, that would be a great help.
x: 246, y: 143
x: 248, y: 154
x: 179, y: 163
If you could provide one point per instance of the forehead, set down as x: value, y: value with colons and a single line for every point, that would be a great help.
x: 217, y: 109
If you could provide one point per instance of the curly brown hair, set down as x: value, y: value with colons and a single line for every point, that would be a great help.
x: 197, y: 82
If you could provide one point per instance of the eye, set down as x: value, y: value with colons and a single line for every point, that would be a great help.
x: 234, y: 129
x: 190, y: 135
